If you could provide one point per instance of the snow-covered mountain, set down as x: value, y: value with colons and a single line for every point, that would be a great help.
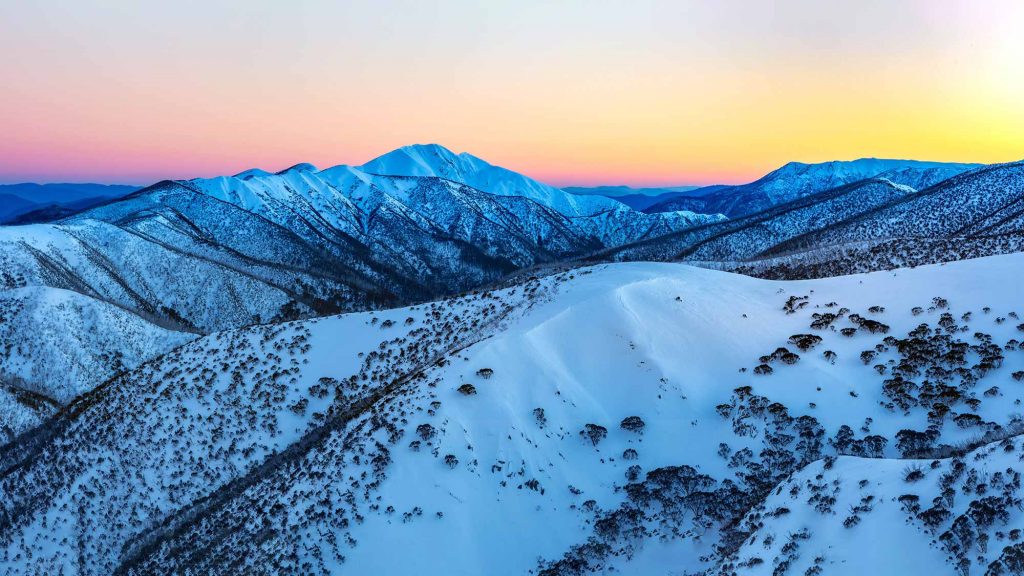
x: 211, y: 254
x: 988, y: 201
x: 303, y: 240
x: 646, y: 418
x: 796, y: 180
x: 438, y: 161
x: 979, y: 213
x: 749, y: 236
x: 872, y: 224
x: 609, y: 220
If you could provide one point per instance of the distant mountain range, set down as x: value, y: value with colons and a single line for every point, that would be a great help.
x: 636, y: 198
x: 871, y: 224
x: 28, y: 203
x: 796, y: 180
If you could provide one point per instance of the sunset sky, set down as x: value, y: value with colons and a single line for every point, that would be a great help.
x: 569, y: 92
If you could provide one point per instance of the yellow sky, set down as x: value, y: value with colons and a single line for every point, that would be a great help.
x: 570, y: 92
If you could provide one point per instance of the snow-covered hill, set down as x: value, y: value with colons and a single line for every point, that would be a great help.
x: 796, y: 180
x: 976, y: 214
x: 988, y: 201
x: 647, y: 418
x: 58, y: 344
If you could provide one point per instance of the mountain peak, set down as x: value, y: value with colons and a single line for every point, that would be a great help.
x: 436, y: 160
x: 425, y: 160
x: 300, y: 167
x: 429, y: 148
x: 251, y: 172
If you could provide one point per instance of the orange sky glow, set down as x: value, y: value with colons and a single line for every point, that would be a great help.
x: 569, y: 92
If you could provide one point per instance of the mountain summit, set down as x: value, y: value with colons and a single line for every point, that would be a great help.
x: 436, y: 160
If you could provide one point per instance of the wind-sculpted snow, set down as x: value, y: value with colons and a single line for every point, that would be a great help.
x: 646, y: 418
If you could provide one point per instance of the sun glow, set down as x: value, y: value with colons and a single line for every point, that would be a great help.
x: 570, y: 92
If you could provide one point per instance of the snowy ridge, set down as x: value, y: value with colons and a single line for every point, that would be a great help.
x: 627, y: 416
x: 211, y: 254
x: 796, y: 180
x: 750, y: 236
x: 872, y: 224
x: 984, y: 202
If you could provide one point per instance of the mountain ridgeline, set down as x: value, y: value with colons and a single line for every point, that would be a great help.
x: 797, y: 180
x: 871, y: 224
x: 431, y: 364
x: 402, y: 228
x: 198, y: 256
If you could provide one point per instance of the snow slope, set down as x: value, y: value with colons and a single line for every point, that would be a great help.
x: 60, y: 343
x: 453, y: 437
x: 978, y: 213
x: 985, y: 202
x: 874, y: 525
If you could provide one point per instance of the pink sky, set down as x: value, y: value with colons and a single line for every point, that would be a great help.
x: 574, y: 92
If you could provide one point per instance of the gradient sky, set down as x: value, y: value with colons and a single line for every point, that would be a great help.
x: 569, y: 92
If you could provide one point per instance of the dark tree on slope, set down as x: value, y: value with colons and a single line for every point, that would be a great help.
x: 633, y: 424
x: 594, y: 433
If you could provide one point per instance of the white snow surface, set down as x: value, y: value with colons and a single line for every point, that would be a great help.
x: 664, y: 342
x: 616, y: 343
